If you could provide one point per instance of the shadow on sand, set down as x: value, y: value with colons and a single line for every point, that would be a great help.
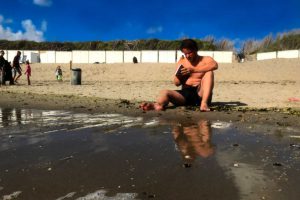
x: 219, y: 106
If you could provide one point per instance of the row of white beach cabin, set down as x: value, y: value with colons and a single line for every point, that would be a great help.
x: 144, y: 56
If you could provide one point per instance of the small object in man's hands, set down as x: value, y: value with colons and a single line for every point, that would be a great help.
x: 178, y: 71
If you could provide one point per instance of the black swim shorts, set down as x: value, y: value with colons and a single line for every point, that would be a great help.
x: 191, y: 96
x: 17, y: 70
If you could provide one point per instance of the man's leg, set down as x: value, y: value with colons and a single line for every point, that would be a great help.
x: 172, y: 96
x: 17, y: 78
x: 163, y: 100
x: 206, y: 88
x: 19, y: 75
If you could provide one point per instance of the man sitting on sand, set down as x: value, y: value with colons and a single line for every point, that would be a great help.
x: 196, y: 79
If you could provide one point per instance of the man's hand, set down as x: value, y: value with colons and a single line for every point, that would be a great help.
x: 185, y: 71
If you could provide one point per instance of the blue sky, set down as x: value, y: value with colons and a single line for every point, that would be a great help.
x: 105, y: 20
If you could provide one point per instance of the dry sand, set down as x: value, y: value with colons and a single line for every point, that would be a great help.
x: 253, y: 84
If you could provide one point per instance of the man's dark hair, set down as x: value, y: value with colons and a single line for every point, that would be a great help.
x: 189, y: 44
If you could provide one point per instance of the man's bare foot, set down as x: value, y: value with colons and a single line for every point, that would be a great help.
x: 151, y: 106
x: 204, y: 107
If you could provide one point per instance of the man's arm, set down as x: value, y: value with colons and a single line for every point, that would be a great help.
x: 14, y: 62
x: 207, y: 64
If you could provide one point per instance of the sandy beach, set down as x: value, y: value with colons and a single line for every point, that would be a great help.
x: 92, y: 140
x: 252, y: 84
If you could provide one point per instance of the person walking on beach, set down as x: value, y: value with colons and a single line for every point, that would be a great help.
x: 2, y: 63
x: 17, y: 67
x: 196, y: 78
x: 28, y: 72
x: 5, y: 70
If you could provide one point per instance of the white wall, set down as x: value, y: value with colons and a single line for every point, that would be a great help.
x: 97, y: 56
x: 178, y: 56
x: 288, y: 54
x: 265, y: 56
x: 219, y: 56
x: 11, y: 54
x: 63, y: 56
x: 144, y: 56
x: 47, y: 56
x: 206, y: 53
x: 149, y: 56
x: 80, y: 56
x: 223, y: 56
x: 32, y: 56
x: 128, y: 56
x: 165, y: 56
x: 114, y: 56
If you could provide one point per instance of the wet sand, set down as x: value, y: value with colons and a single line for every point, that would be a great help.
x: 48, y: 154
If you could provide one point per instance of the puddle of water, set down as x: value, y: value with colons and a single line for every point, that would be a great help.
x: 66, y: 155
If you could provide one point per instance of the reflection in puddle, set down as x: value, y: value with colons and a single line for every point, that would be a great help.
x: 59, y: 120
x: 193, y: 139
x: 112, y: 156
x: 101, y: 194
x: 220, y: 125
x: 9, y: 116
x: 14, y: 195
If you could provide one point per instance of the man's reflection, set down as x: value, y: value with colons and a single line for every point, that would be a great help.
x: 193, y: 139
x: 10, y: 115
x: 7, y: 114
x: 18, y: 115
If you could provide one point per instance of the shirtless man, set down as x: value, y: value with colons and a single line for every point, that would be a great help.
x: 196, y: 79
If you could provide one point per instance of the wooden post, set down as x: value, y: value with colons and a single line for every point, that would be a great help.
x: 70, y: 64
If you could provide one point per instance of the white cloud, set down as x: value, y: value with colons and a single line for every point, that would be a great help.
x: 42, y: 2
x: 30, y: 32
x: 154, y: 30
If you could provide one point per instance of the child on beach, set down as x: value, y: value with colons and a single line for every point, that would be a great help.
x: 58, y: 73
x: 28, y: 71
